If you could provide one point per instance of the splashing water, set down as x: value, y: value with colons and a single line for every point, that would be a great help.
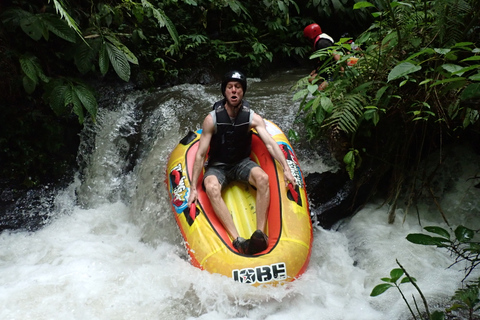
x: 113, y: 250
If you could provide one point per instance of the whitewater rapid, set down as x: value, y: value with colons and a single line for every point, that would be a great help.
x: 112, y: 249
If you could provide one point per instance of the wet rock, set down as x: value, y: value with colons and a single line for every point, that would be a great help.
x: 28, y: 209
x: 333, y: 197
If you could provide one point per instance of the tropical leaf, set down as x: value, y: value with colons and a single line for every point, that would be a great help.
x: 60, y: 9
x: 29, y: 85
x: 13, y: 16
x: 119, y: 61
x: 362, y: 4
x: 33, y: 26
x: 58, y: 27
x: 87, y: 99
x: 471, y: 92
x: 71, y: 99
x: 464, y: 234
x: 129, y: 54
x: 453, y: 68
x: 27, y: 64
x: 402, y: 69
x: 57, y: 98
x: 396, y: 273
x: 440, y: 231
x: 163, y: 20
x: 379, y: 289
x: 426, y: 240
x: 103, y: 60
x: 237, y: 7
x: 84, y: 55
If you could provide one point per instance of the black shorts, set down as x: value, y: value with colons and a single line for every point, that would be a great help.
x: 225, y: 173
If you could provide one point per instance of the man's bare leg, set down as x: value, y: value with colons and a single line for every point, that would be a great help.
x: 259, y: 179
x: 214, y: 193
x: 258, y: 240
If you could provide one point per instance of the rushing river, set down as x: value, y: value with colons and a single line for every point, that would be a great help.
x: 112, y: 250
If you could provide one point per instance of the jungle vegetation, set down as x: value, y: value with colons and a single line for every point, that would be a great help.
x: 54, y: 53
x: 414, y: 91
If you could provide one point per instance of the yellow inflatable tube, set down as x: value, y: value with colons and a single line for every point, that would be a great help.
x: 289, y: 226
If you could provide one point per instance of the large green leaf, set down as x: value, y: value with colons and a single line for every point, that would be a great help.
x: 423, y: 239
x: 59, y: 27
x: 84, y: 55
x: 362, y: 4
x: 438, y: 230
x: 27, y: 64
x: 71, y: 99
x: 60, y: 9
x: 57, y: 99
x: 162, y: 20
x: 327, y: 104
x: 381, y: 288
x: 119, y: 61
x: 472, y: 91
x: 87, y: 98
x: 452, y: 68
x: 103, y: 60
x: 33, y: 26
x: 464, y: 234
x: 129, y: 54
x: 403, y: 69
x: 29, y: 85
x: 395, y: 274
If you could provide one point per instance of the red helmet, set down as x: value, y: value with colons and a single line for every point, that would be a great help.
x: 312, y: 30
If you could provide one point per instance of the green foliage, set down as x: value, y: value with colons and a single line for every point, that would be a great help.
x: 408, y: 89
x: 70, y: 96
x: 55, y: 48
x: 467, y: 299
x: 393, y: 282
x: 395, y: 275
x: 460, y: 242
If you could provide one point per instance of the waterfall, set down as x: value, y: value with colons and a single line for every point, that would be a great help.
x: 110, y: 247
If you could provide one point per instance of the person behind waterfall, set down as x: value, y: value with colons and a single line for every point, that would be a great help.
x: 320, y: 41
x: 226, y: 131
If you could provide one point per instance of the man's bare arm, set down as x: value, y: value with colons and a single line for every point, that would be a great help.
x: 204, y: 143
x: 272, y: 147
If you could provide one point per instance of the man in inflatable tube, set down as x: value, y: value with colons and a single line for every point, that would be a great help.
x: 226, y: 130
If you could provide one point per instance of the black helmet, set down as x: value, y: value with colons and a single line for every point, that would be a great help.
x: 234, y: 76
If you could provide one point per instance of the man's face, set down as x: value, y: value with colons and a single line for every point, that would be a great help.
x: 234, y: 93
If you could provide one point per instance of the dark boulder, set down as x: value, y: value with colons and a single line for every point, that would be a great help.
x: 334, y: 196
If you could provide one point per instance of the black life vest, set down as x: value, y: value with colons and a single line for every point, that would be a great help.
x: 323, y: 36
x: 232, y: 139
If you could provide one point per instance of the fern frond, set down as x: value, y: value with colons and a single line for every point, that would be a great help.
x: 163, y: 20
x: 346, y: 113
x: 60, y: 9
